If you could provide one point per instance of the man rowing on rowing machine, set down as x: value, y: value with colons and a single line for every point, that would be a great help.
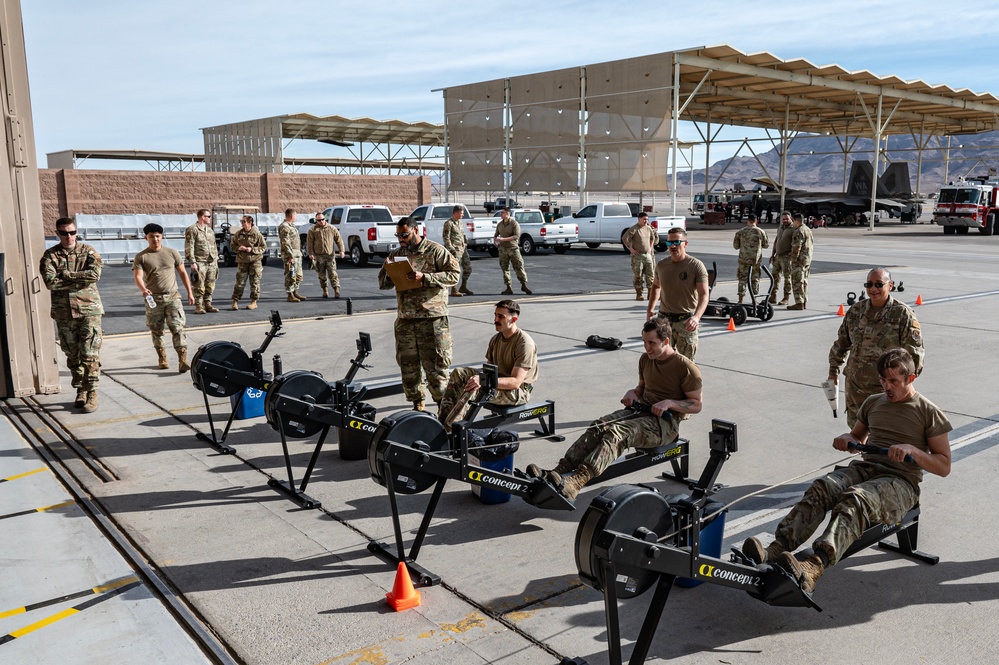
x: 879, y: 489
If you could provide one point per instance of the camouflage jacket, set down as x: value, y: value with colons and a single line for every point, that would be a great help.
x: 199, y: 244
x: 750, y: 241
x: 291, y: 242
x: 440, y: 272
x: 782, y: 241
x: 454, y: 236
x: 801, y: 244
x: 867, y: 332
x: 252, y: 239
x: 323, y: 241
x: 72, y: 275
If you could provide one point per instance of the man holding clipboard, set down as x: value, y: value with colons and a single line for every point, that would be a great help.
x: 421, y: 272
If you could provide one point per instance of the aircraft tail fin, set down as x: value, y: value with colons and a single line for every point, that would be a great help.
x: 861, y: 177
x: 894, y: 184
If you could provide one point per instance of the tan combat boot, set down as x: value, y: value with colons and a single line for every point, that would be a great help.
x: 573, y: 482
x: 563, y: 466
x: 508, y: 291
x: 300, y: 296
x: 806, y: 572
x: 291, y: 298
x: 235, y: 304
x: 209, y: 308
x: 91, y: 404
x: 81, y: 398
x: 199, y: 308
x: 326, y: 292
x: 336, y: 292
x: 182, y: 364
x: 252, y: 305
x: 464, y: 289
x: 455, y: 293
x: 163, y: 362
x: 754, y: 549
x: 639, y: 295
x: 523, y: 287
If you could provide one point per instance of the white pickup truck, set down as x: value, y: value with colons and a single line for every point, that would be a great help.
x: 607, y: 222
x: 367, y: 230
x: 535, y: 232
x: 478, y: 231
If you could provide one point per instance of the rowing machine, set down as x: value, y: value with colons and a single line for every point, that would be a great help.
x: 301, y: 403
x: 222, y: 369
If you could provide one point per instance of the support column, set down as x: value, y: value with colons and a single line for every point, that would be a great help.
x: 877, y: 155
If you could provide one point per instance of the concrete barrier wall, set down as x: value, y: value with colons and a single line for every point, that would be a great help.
x: 67, y: 192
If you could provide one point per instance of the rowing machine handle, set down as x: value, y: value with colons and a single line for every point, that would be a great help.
x: 642, y: 407
x: 876, y: 450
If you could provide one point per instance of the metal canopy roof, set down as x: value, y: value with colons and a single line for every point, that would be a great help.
x: 757, y: 89
x: 356, y: 130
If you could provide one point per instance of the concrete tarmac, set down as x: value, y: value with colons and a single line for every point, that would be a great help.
x: 280, y: 584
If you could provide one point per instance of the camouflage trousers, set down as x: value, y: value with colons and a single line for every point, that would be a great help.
x: 643, y: 268
x: 607, y: 438
x: 782, y: 268
x: 325, y: 265
x: 860, y: 495
x: 169, y: 313
x: 244, y: 270
x: 423, y: 351
x: 799, y: 280
x: 465, y: 261
x: 80, y: 340
x: 748, y: 270
x: 208, y: 274
x: 684, y: 341
x: 511, y: 256
x: 456, y: 387
x: 292, y: 274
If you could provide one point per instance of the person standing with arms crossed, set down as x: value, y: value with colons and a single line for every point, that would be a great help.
x: 202, y: 252
x: 154, y: 271
x: 640, y: 241
x: 681, y: 290
x: 507, y: 239
x: 750, y: 240
x: 422, y: 331
x: 456, y: 243
x: 801, y: 261
x: 291, y: 254
x: 321, y: 245
x: 780, y: 259
x: 249, y: 245
x: 71, y: 270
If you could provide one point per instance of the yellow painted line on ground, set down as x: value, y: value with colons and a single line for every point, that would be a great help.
x: 23, y: 475
x: 38, y: 510
x: 21, y: 632
x: 109, y: 586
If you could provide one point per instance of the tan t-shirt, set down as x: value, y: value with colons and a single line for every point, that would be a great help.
x: 518, y: 351
x: 914, y: 422
x: 671, y: 378
x: 677, y: 281
x: 640, y: 238
x: 159, y: 268
x: 507, y: 229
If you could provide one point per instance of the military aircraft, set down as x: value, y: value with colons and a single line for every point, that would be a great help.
x: 894, y: 194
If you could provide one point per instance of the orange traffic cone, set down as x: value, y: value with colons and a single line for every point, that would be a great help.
x: 403, y: 596
x: 840, y: 311
x: 731, y: 324
x: 919, y: 300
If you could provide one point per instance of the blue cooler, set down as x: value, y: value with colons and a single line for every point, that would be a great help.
x: 487, y: 494
x: 711, y: 539
x: 251, y: 406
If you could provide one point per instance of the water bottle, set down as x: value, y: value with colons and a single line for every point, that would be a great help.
x: 150, y: 301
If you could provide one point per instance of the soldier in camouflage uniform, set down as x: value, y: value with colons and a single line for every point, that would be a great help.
x: 750, y: 240
x: 879, y: 489
x: 320, y: 244
x: 202, y: 252
x: 456, y: 243
x: 780, y: 258
x: 422, y: 331
x: 507, y: 240
x: 870, y: 328
x: 291, y: 254
x: 249, y: 245
x: 680, y: 289
x: 154, y: 271
x: 641, y: 240
x: 667, y: 381
x: 801, y: 261
x: 70, y: 270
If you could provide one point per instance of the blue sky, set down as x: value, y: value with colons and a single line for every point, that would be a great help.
x: 149, y: 75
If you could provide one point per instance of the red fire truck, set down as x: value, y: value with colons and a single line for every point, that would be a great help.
x: 969, y: 204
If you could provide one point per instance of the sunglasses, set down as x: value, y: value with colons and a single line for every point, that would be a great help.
x: 403, y: 236
x: 320, y: 219
x: 871, y: 285
x: 66, y: 233
x: 674, y: 243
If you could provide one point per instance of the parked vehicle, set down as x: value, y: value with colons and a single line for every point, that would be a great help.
x: 478, y: 231
x: 367, y: 230
x: 606, y: 222
x: 973, y: 203
x: 225, y: 217
x: 500, y: 203
x: 716, y: 203
x: 535, y: 232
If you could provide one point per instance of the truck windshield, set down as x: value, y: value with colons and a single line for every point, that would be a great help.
x: 967, y: 195
x: 533, y: 217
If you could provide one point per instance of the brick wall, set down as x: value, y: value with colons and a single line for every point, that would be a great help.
x: 66, y: 192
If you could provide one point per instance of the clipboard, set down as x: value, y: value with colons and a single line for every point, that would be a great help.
x: 398, y: 271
